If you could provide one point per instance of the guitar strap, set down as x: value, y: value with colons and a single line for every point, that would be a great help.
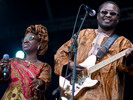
x: 105, y: 47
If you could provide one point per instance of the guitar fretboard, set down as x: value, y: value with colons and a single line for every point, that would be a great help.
x: 107, y: 61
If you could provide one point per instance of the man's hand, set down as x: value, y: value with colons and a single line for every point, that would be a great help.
x: 78, y: 67
x: 128, y: 60
x: 129, y: 52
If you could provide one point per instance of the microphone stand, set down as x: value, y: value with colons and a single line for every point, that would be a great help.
x: 73, y: 49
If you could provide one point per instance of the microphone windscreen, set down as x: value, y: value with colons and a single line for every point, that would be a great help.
x: 6, y: 56
x: 92, y: 13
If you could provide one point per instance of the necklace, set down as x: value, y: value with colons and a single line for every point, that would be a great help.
x: 30, y: 62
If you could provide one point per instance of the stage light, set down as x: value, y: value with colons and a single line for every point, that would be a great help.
x: 20, y: 54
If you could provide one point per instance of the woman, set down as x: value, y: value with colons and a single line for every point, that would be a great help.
x: 29, y: 77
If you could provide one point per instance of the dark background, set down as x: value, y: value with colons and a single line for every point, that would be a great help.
x: 59, y: 17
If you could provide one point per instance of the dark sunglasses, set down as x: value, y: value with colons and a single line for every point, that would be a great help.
x: 28, y: 38
x: 105, y: 12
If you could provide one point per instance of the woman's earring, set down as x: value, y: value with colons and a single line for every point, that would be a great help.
x: 38, y: 47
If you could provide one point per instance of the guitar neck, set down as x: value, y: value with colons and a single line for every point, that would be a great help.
x: 107, y: 61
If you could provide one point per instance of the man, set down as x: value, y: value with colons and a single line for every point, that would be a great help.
x: 111, y: 76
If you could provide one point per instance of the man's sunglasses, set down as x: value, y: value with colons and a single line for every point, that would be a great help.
x: 105, y: 12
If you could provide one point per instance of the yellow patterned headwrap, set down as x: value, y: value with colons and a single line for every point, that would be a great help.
x: 41, y: 33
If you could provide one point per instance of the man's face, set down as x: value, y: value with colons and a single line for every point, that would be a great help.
x: 108, y: 16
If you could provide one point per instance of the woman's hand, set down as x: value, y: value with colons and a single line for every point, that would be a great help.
x: 4, y: 69
x: 35, y: 83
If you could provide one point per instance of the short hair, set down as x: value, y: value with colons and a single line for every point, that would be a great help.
x: 41, y: 33
x: 111, y: 2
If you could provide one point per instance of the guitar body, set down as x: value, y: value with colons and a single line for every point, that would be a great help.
x: 83, y: 81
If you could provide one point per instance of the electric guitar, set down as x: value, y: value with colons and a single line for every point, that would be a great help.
x: 84, y: 81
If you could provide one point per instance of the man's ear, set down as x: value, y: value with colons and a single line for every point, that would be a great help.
x: 118, y: 20
x: 97, y: 15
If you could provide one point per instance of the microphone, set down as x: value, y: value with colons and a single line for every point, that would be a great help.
x: 5, y: 59
x: 91, y: 12
x: 6, y: 56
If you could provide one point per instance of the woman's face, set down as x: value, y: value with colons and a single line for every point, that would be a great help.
x: 30, y: 43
